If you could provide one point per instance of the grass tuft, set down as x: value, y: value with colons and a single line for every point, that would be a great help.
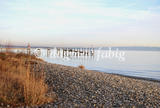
x: 81, y: 67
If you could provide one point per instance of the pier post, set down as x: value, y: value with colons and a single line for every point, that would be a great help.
x: 58, y: 52
x: 92, y: 51
x: 39, y: 52
x: 29, y: 49
x: 48, y: 52
x: 76, y: 52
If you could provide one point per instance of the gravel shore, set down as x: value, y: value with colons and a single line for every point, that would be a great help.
x: 80, y: 88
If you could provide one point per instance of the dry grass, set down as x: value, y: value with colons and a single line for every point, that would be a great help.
x: 18, y: 84
x: 81, y: 67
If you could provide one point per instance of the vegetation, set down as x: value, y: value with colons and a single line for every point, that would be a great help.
x: 19, y: 84
x: 81, y: 67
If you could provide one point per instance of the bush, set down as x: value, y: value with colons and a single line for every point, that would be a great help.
x: 81, y: 67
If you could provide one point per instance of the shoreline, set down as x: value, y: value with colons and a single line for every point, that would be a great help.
x: 77, y: 87
x: 103, y: 71
x: 134, y: 77
x: 139, y: 78
x: 122, y: 75
x: 128, y: 76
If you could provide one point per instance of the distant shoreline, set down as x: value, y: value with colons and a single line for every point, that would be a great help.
x: 125, y: 48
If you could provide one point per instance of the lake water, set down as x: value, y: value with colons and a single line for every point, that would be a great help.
x: 145, y: 64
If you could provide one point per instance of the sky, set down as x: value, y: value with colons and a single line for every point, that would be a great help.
x: 80, y: 22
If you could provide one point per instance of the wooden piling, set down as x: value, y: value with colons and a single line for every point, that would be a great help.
x: 76, y: 52
x: 29, y: 49
x: 48, y: 52
x: 39, y: 52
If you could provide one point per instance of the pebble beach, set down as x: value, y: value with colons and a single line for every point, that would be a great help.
x: 81, y: 88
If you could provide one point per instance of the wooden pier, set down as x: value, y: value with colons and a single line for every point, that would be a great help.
x: 77, y: 51
x: 59, y: 51
x: 67, y: 52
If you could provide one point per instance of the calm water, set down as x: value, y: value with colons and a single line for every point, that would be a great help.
x: 144, y: 64
x: 137, y: 63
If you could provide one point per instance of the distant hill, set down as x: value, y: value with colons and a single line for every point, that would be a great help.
x: 18, y: 46
x: 138, y: 48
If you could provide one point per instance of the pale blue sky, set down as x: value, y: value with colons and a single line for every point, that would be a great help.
x: 80, y: 22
